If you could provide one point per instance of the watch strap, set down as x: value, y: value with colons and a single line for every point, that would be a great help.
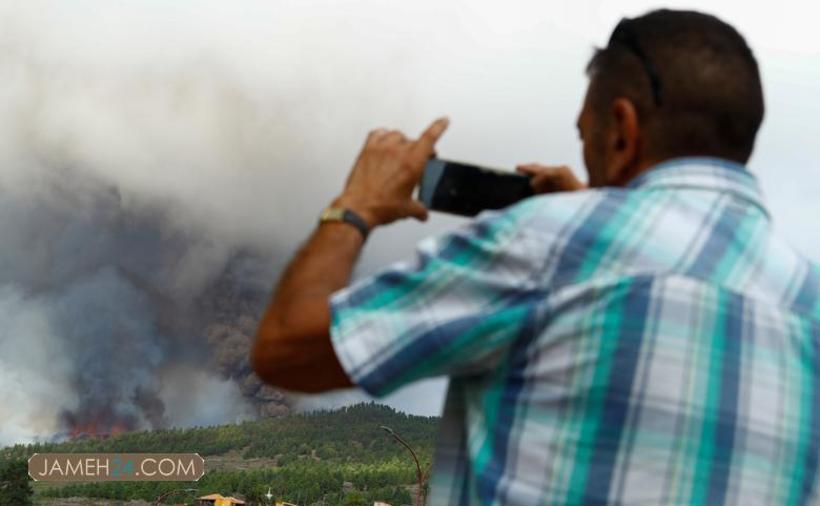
x: 344, y: 215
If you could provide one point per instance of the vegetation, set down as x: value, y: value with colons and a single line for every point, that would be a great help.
x: 303, y: 483
x: 310, y: 456
x: 15, y: 488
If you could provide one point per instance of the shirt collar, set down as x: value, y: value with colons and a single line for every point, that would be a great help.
x: 703, y: 173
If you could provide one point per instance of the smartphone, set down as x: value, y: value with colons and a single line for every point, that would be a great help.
x: 466, y: 190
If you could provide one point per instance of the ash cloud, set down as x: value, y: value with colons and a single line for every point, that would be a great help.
x: 158, y: 164
x: 102, y: 300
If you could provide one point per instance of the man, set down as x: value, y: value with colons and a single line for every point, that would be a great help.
x: 648, y: 340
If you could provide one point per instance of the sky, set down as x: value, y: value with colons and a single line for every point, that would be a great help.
x: 246, y: 115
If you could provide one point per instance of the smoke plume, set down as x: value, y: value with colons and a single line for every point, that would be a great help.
x: 148, y: 187
x: 107, y: 295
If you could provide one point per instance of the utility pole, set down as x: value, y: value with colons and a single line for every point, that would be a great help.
x: 422, y: 476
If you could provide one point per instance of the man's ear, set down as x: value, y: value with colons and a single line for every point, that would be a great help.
x: 625, y: 142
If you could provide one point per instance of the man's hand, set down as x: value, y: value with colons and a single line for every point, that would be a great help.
x: 389, y: 166
x: 293, y: 348
x: 551, y: 178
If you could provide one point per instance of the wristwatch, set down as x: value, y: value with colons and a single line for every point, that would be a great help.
x: 344, y: 215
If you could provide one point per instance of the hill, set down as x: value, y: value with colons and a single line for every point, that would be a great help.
x: 303, y: 458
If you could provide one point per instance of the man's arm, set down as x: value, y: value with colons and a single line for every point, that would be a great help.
x: 293, y: 348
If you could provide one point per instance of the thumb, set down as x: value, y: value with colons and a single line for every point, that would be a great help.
x: 416, y: 209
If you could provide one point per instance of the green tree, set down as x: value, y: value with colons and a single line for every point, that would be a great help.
x: 15, y: 486
x: 354, y: 498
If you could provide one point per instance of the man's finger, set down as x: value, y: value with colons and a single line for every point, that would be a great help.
x: 375, y: 135
x: 424, y: 146
x: 417, y: 210
x: 534, y: 168
x: 542, y: 183
x: 529, y: 168
x: 393, y: 136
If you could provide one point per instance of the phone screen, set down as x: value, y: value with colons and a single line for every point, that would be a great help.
x: 466, y: 190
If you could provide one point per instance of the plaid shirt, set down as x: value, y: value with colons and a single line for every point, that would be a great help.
x: 654, y: 344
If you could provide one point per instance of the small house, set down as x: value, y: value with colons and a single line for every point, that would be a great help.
x: 219, y: 500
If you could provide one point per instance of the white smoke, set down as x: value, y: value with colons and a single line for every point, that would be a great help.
x: 35, y: 376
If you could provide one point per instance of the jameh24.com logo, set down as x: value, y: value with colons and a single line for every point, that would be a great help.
x: 70, y: 467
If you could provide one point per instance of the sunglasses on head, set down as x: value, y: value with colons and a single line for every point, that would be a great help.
x: 624, y: 34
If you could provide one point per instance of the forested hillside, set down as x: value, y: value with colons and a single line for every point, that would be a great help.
x: 303, y: 458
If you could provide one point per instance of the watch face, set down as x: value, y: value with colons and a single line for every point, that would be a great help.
x: 333, y: 214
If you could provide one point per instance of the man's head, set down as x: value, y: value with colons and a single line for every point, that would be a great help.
x: 668, y: 84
